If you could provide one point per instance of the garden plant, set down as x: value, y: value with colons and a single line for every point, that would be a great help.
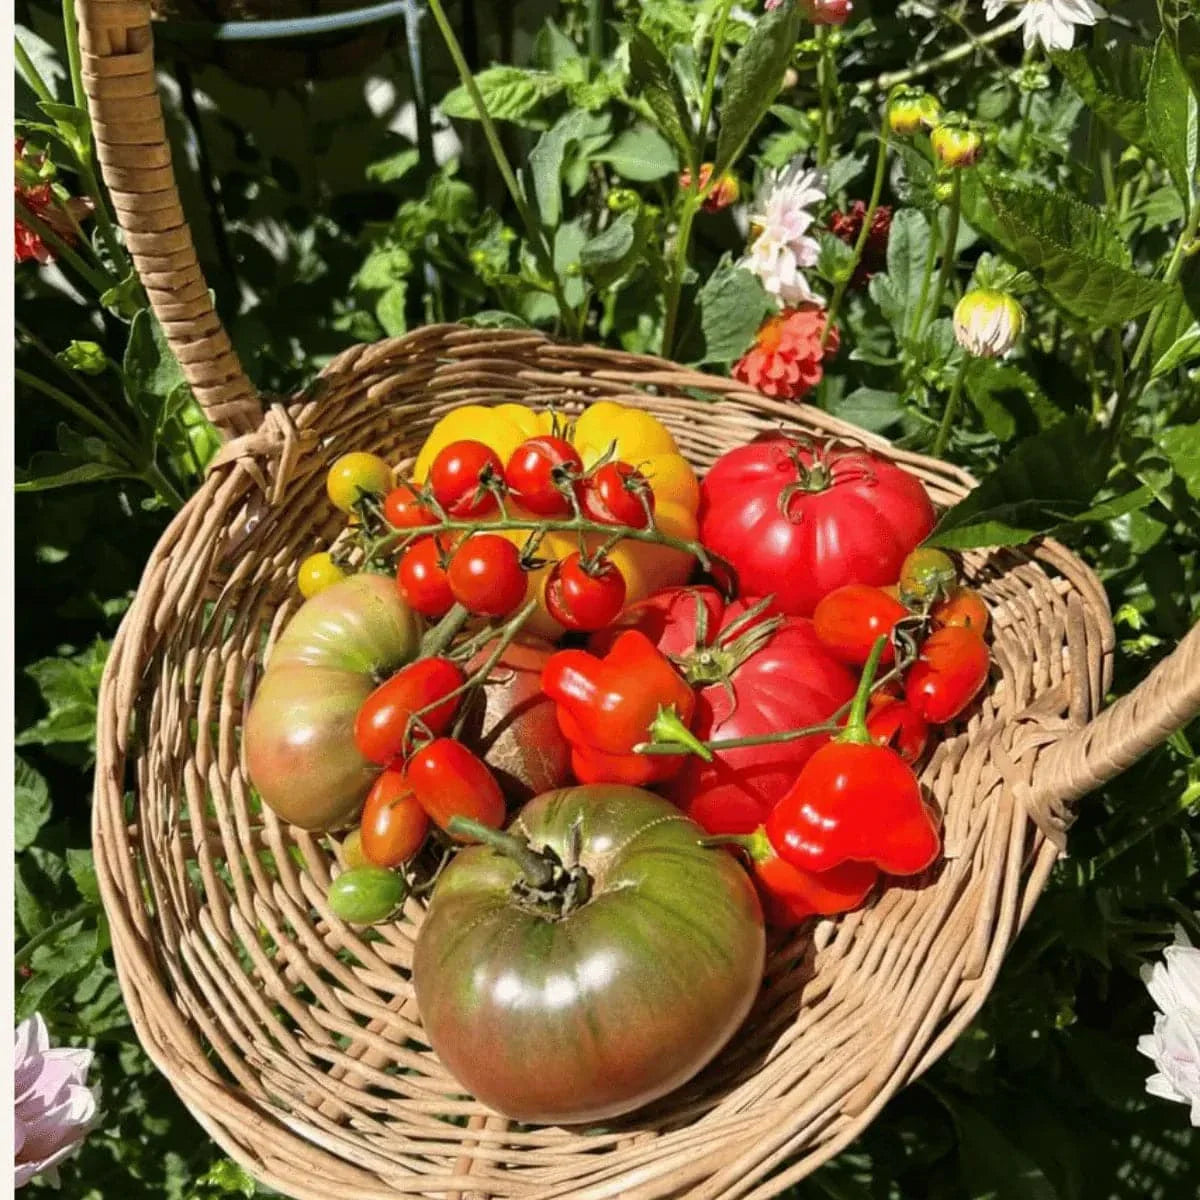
x: 971, y: 228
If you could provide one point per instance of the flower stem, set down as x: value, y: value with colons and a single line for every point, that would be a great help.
x: 826, y: 83
x: 917, y: 316
x: 71, y: 35
x: 710, y: 84
x: 948, y: 251
x: 595, y: 32
x: 112, y: 434
x: 864, y: 234
x: 942, y: 440
x: 683, y: 235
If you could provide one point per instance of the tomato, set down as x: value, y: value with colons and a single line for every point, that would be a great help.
x: 316, y: 573
x: 460, y: 477
x: 961, y: 606
x: 382, y: 725
x: 853, y: 617
x: 617, y: 494
x: 892, y: 722
x: 796, y: 522
x: 352, y: 852
x: 772, y: 676
x: 925, y: 575
x: 486, y: 576
x: 298, y: 735
x: 949, y: 673
x: 591, y: 1010
x: 449, y: 781
x: 421, y: 577
x: 366, y: 895
x: 356, y: 475
x: 538, y: 472
x: 584, y: 597
x: 404, y: 509
x: 393, y: 825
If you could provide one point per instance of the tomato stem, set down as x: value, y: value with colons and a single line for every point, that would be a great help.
x: 856, y: 723
x: 444, y: 632
x: 669, y: 727
x: 537, y: 869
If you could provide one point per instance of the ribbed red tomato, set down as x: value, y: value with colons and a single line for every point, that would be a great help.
x: 796, y: 522
x: 756, y: 675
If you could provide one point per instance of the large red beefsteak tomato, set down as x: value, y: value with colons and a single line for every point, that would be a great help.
x: 756, y: 674
x: 796, y: 521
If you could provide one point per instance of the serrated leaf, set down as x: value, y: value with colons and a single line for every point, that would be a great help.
x: 31, y: 804
x: 657, y: 85
x: 733, y: 304
x: 154, y: 380
x: 394, y: 167
x: 608, y: 255
x: 640, y: 154
x: 1042, y: 483
x: 87, y: 358
x: 1183, y: 350
x: 1174, y: 118
x: 908, y: 248
x: 1009, y: 400
x: 48, y: 470
x: 752, y: 82
x: 82, y: 869
x: 1111, y: 81
x: 1181, y: 445
x: 391, y: 310
x: 69, y: 686
x: 509, y: 94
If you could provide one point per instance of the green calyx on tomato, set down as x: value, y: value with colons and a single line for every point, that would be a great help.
x: 926, y: 575
x: 716, y: 661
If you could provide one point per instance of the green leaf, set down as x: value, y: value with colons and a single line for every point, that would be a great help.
x: 1183, y: 350
x: 82, y: 869
x: 1181, y: 445
x: 752, y: 82
x: 899, y: 292
x: 658, y: 87
x: 85, y: 357
x: 31, y: 804
x: 69, y: 686
x: 1011, y: 402
x: 125, y: 299
x: 870, y: 408
x: 1042, y: 483
x: 569, y: 240
x: 640, y: 154
x: 390, y: 310
x: 996, y: 1168
x: 553, y: 49
x: 733, y: 304
x: 1174, y: 118
x: 1111, y: 81
x: 608, y: 255
x: 546, y: 164
x: 395, y: 166
x: 47, y: 470
x: 1181, y: 24
x: 509, y: 94
x: 73, y: 121
x: 153, y: 377
x: 1068, y: 246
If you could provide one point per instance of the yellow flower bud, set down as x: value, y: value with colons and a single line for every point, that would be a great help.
x: 988, y: 322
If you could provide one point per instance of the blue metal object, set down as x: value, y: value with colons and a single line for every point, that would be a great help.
x: 296, y: 27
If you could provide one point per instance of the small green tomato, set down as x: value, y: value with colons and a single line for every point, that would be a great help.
x: 366, y: 895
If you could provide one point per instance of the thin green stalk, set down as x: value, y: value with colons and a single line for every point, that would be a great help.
x: 154, y: 478
x: 951, y: 411
x: 113, y: 435
x: 916, y: 318
x: 1107, y: 178
x: 98, y: 279
x: 71, y: 34
x: 1170, y: 276
x: 1118, y: 349
x: 860, y: 242
x: 710, y: 81
x: 825, y: 68
x: 948, y: 250
x: 1023, y: 134
x: 541, y: 247
x: 33, y: 76
x: 683, y: 236
x: 596, y: 32
x: 77, y: 914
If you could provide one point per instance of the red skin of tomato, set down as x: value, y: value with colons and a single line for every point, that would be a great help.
x: 457, y: 477
x: 393, y: 825
x: 486, y: 576
x: 613, y: 496
x: 798, y: 546
x: 963, y: 606
x: 449, y: 781
x: 381, y: 724
x: 584, y: 600
x: 421, y: 579
x: 402, y: 509
x: 530, y: 473
x: 852, y: 618
x: 952, y: 668
x: 790, y: 683
x: 892, y: 722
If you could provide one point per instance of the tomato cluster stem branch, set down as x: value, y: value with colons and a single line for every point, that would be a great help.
x: 444, y: 632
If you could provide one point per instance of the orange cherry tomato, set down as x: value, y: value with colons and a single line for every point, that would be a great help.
x: 393, y: 824
x: 963, y: 606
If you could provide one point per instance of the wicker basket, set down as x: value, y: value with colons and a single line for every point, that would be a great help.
x: 295, y: 1041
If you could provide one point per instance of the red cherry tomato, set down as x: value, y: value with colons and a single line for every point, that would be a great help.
x: 486, y: 576
x: 460, y: 475
x: 892, y: 722
x: 851, y: 618
x: 403, y: 509
x: 952, y: 668
x: 614, y: 495
x: 963, y: 606
x: 393, y: 824
x: 586, y: 598
x: 449, y: 781
x: 383, y: 720
x: 421, y: 577
x: 536, y: 469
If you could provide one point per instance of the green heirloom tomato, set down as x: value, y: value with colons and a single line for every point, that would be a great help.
x: 299, y: 734
x: 599, y: 980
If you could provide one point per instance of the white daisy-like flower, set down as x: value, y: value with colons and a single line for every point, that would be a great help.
x: 1174, y: 1046
x: 1051, y: 22
x: 782, y: 249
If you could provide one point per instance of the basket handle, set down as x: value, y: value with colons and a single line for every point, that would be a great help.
x: 117, y: 50
x: 1167, y: 699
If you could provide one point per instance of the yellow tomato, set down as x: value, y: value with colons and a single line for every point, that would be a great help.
x: 316, y: 573
x: 355, y: 475
x: 633, y: 436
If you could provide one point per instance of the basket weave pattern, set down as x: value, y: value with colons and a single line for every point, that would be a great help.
x: 293, y: 1038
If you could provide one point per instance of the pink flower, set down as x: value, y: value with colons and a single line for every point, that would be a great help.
x: 54, y: 1106
x: 785, y: 360
x: 826, y: 12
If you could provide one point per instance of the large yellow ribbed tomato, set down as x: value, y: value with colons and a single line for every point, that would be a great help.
x: 635, y: 437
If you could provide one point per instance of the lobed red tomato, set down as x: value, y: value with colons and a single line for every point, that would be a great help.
x: 449, y: 781
x: 539, y: 470
x: 617, y: 494
x: 952, y: 667
x: 424, y: 686
x: 961, y: 606
x: 795, y: 522
x: 486, y: 576
x: 393, y: 825
x: 460, y: 478
x: 772, y: 674
x: 852, y: 618
x: 421, y: 577
x: 403, y: 508
x: 583, y: 597
x: 895, y: 723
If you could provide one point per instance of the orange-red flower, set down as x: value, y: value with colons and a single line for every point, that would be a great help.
x: 785, y: 360
x: 40, y: 200
x: 724, y: 193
